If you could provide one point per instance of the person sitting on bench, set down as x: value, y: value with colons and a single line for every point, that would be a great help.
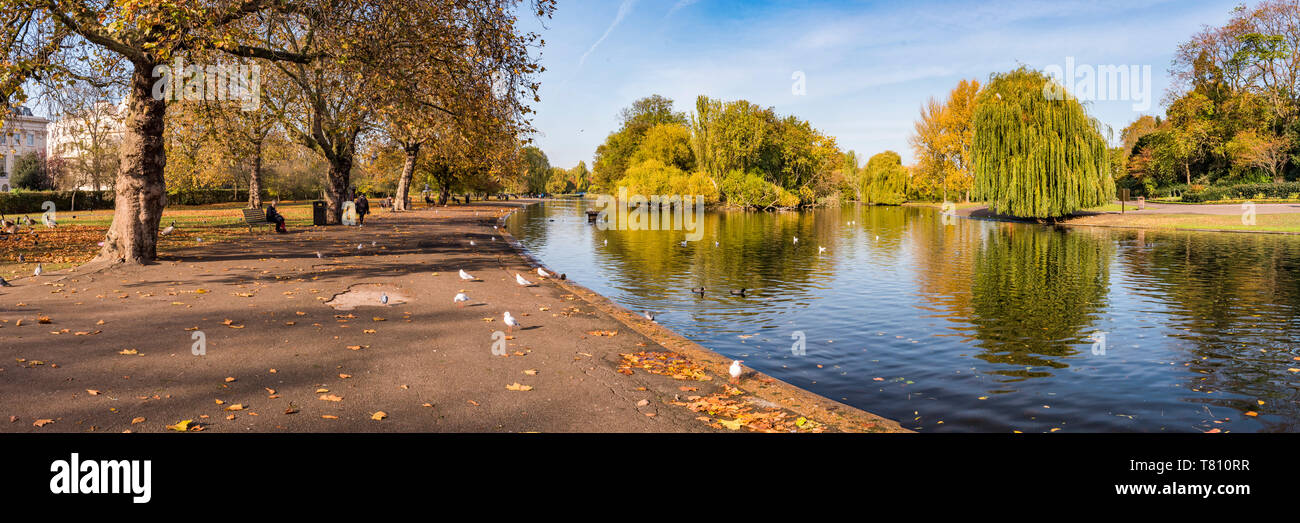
x: 274, y: 216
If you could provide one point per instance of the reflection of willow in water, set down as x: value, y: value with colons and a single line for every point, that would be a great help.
x: 1034, y: 293
x: 1237, y: 297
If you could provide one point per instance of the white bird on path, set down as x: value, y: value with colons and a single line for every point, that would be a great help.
x: 358, y: 246
x: 460, y: 299
x: 38, y: 270
x: 520, y: 280
x: 510, y: 321
x: 542, y: 272
x: 465, y: 275
x: 170, y: 228
x: 735, y: 370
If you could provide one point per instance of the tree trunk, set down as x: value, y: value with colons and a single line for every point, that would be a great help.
x: 255, y: 180
x: 133, y: 236
x: 336, y: 187
x: 404, y: 183
x: 1188, y: 169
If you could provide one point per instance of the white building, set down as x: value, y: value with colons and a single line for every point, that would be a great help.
x: 21, y: 133
x: 70, y: 134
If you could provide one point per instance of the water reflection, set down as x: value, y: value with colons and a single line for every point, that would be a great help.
x: 973, y: 325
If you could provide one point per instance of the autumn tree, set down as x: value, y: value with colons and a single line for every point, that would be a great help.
x: 942, y: 142
x: 52, y: 42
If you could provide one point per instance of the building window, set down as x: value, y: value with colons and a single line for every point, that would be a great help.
x: 31, y: 139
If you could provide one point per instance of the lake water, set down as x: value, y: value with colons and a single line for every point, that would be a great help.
x: 971, y: 325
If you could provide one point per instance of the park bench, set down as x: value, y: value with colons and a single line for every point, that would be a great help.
x: 254, y: 217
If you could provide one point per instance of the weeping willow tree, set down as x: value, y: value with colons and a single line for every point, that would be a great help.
x: 1036, y: 152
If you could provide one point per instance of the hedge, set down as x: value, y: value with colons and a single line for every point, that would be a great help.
x: 1246, y: 191
x: 28, y: 202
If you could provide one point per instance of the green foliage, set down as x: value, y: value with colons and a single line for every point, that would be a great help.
x: 24, y: 202
x: 538, y: 169
x: 751, y: 190
x: 670, y: 144
x: 1248, y: 191
x: 1035, y: 155
x: 886, y: 179
x: 29, y: 173
x: 654, y: 177
x: 615, y: 156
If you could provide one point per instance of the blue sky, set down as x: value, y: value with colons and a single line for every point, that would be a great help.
x: 869, y: 66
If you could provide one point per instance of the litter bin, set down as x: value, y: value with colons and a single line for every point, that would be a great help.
x: 318, y: 212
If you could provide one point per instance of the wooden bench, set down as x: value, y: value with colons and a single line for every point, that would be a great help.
x: 254, y: 217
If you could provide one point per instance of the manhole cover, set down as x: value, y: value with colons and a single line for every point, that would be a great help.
x: 368, y: 295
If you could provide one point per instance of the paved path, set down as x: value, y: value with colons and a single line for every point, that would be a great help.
x: 426, y: 364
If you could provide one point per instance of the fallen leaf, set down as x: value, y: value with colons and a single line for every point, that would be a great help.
x: 138, y: 420
x: 518, y: 387
x: 330, y: 397
x: 92, y: 392
x: 379, y: 415
x: 181, y: 426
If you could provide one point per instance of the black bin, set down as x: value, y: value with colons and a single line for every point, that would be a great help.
x: 318, y: 212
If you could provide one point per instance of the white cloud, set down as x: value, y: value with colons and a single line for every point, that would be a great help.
x: 680, y: 4
x: 623, y: 9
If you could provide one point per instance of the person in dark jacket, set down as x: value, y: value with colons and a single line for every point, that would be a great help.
x: 275, y: 217
x: 363, y: 208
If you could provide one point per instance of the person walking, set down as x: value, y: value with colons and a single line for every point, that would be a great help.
x: 363, y: 208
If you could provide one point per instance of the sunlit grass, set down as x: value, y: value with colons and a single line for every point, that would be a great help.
x: 75, y: 240
x: 1232, y: 222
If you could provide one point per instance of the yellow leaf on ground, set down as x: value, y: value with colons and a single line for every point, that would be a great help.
x: 42, y: 422
x: 330, y: 397
x: 518, y: 387
x: 181, y: 426
x: 379, y: 415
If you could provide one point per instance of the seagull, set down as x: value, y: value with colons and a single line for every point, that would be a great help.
x: 820, y: 249
x: 510, y: 321
x: 606, y: 242
x: 796, y: 239
x: 318, y: 254
x: 38, y: 270
x: 460, y: 299
x: 383, y: 298
x: 358, y: 246
x: 735, y: 370
x: 4, y: 283
x: 698, y: 290
x: 740, y: 292
x: 683, y: 243
x: 541, y: 272
x: 715, y: 243
x: 471, y: 243
x: 170, y: 228
x: 520, y: 280
x: 648, y: 315
x: 465, y: 275
x: 372, y: 243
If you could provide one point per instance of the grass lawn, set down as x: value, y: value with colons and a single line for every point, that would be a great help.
x: 75, y: 240
x: 1263, y: 222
